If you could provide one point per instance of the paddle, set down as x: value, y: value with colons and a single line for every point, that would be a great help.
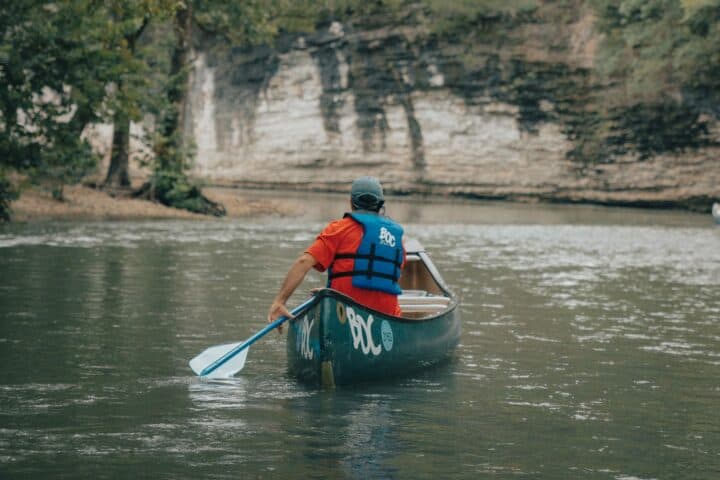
x: 224, y: 361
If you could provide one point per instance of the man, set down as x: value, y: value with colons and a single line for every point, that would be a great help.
x: 363, y: 254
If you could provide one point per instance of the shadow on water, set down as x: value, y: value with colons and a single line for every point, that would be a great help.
x: 354, y: 431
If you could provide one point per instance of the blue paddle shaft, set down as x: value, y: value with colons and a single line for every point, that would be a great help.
x: 222, y: 360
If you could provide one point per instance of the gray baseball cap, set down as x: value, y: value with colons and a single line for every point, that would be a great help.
x: 367, y: 193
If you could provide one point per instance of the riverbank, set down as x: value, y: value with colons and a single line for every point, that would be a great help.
x: 86, y: 203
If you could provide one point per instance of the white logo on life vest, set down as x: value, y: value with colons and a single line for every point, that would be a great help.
x: 386, y: 238
x: 361, y: 332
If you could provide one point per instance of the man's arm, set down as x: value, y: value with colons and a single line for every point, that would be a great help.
x: 293, y: 279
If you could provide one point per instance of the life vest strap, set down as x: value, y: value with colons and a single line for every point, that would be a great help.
x: 368, y: 273
x: 354, y: 256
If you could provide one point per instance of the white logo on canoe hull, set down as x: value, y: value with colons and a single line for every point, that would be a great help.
x: 303, y: 339
x: 361, y: 332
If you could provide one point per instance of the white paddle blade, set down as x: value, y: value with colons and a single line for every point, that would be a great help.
x: 229, y: 368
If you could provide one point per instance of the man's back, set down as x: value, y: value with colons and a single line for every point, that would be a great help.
x: 344, y: 237
x: 365, y: 250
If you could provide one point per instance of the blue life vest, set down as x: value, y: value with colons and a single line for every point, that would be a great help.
x: 379, y: 257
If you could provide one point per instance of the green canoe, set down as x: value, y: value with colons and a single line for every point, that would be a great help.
x: 337, y: 341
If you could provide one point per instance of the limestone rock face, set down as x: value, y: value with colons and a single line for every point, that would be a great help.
x: 319, y: 110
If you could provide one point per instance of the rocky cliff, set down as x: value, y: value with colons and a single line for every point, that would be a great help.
x: 508, y: 109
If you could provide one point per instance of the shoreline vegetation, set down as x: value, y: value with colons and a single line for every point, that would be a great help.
x: 87, y: 202
x: 83, y: 202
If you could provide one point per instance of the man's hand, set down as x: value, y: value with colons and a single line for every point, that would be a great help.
x: 277, y: 310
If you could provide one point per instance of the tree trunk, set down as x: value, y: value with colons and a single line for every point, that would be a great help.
x: 118, y: 175
x: 118, y: 172
x: 173, y: 156
x: 169, y: 183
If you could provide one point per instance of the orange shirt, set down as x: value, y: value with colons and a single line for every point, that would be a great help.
x: 344, y: 236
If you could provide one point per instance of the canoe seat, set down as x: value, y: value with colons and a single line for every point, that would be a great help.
x: 418, y: 303
x: 422, y: 299
x: 413, y: 293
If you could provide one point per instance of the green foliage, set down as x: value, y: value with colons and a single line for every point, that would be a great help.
x: 175, y: 189
x: 357, y: 8
x: 454, y: 16
x: 656, y: 48
x: 660, y: 67
x: 642, y: 37
x: 67, y: 162
x: 64, y: 65
x: 470, y: 8
x: 134, y: 34
x: 698, y: 59
x: 441, y: 17
x: 53, y: 74
x: 238, y: 22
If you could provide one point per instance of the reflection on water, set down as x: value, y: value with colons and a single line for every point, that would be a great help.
x: 590, y: 349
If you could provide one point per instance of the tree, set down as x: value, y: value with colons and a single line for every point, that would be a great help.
x: 238, y: 22
x: 135, y: 87
x: 53, y: 73
x: 131, y: 29
x: 169, y: 183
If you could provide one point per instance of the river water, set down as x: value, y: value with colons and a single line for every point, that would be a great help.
x: 590, y: 350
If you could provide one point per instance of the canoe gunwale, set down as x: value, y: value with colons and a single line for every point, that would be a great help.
x: 414, y: 249
x: 329, y: 292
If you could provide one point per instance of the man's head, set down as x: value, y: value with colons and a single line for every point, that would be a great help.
x: 366, y: 193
